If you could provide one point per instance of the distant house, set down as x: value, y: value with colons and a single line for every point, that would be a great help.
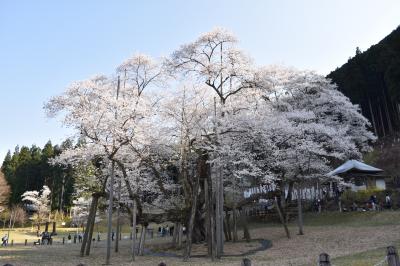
x: 361, y: 176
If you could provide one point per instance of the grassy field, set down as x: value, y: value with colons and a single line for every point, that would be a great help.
x: 350, y: 238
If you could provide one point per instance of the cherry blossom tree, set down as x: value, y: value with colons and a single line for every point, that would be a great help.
x: 215, y: 60
x: 106, y: 114
x: 190, y: 150
x: 323, y: 126
x: 39, y: 202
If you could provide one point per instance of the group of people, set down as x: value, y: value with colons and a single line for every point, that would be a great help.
x: 371, y: 204
x: 46, y: 236
x: 166, y: 230
x: 374, y: 205
x: 78, y: 236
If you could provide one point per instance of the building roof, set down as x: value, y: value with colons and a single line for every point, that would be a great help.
x: 354, y: 166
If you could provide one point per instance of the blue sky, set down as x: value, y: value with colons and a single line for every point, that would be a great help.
x: 45, y: 45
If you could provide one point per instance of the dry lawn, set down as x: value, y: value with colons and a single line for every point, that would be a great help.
x: 350, y: 239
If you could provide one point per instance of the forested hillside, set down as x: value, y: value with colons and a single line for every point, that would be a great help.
x: 29, y: 169
x: 372, y: 80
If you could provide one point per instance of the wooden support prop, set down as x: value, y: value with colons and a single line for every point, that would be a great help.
x: 26, y: 242
x: 12, y: 242
x: 392, y: 256
x: 324, y: 260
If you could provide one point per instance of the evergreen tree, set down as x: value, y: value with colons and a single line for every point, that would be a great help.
x: 29, y: 169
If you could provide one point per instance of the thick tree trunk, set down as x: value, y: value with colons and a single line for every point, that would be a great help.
x: 208, y: 217
x: 88, y: 223
x: 118, y: 231
x: 228, y: 225
x: 206, y: 214
x: 246, y: 232
x: 180, y: 236
x: 175, y: 235
x: 91, y: 226
x: 110, y: 211
x: 300, y: 210
x: 288, y: 198
x: 54, y: 228
x: 226, y: 230
x: 213, y: 226
x: 211, y: 215
x: 198, y: 234
x: 221, y: 214
x: 142, y: 239
x: 218, y: 227
x: 279, y: 210
x: 193, y: 210
x: 235, y: 233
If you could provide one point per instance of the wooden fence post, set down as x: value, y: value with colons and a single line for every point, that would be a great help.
x: 392, y: 257
x: 324, y: 260
x: 26, y: 242
x: 12, y: 242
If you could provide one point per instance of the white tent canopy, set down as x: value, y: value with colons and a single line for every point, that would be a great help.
x: 355, y: 166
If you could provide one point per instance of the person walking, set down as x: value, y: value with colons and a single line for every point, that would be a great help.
x: 4, y: 240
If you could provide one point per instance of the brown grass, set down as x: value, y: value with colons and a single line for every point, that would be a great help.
x: 347, y: 243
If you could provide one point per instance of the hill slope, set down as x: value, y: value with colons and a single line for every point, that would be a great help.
x: 372, y: 80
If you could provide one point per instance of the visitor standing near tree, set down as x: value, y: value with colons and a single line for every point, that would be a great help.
x: 388, y: 201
